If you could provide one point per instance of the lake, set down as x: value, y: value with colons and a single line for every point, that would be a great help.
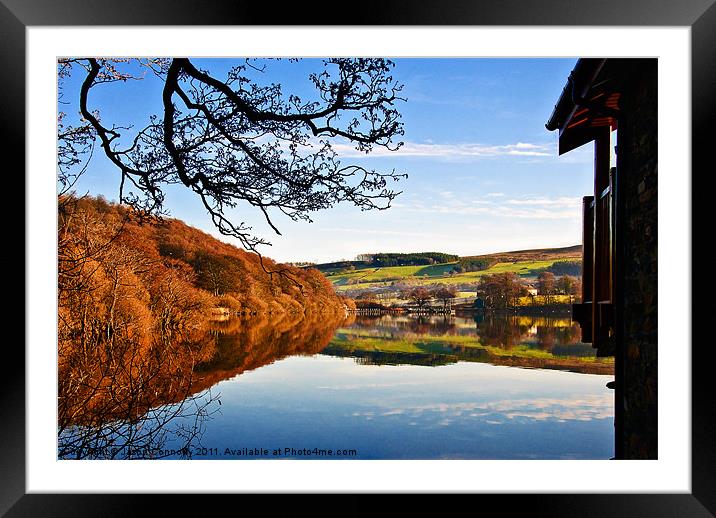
x: 392, y: 386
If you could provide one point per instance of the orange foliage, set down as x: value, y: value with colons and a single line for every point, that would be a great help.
x: 182, y: 271
x: 132, y: 294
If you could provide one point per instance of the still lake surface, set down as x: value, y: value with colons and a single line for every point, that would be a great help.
x: 383, y: 387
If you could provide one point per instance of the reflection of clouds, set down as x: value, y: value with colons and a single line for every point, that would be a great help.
x: 363, y: 386
x: 585, y: 408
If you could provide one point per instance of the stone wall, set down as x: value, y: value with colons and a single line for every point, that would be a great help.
x: 637, y: 163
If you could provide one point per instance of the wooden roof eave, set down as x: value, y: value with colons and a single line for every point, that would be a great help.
x: 574, y: 133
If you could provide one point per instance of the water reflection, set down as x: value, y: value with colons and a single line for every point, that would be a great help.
x: 281, y: 380
x: 132, y: 399
x: 500, y: 339
x: 246, y: 344
x: 460, y: 411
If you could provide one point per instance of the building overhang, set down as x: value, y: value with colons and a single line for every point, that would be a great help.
x: 589, y: 103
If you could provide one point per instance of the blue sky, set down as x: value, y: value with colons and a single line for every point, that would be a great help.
x: 483, y: 172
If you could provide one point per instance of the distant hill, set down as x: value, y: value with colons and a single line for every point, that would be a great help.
x: 536, y: 254
x: 441, y: 268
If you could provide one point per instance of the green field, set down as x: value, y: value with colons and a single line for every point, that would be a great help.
x: 424, y: 275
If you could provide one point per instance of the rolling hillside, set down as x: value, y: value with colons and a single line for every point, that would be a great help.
x: 526, y: 263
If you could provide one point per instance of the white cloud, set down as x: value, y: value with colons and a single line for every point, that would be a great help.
x: 562, y: 201
x: 452, y: 151
x: 562, y: 207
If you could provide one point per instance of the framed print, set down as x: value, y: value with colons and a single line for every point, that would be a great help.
x: 451, y: 337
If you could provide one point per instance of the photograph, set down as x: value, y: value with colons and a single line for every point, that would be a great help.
x: 425, y: 253
x: 357, y: 258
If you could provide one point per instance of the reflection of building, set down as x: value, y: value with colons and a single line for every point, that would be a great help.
x: 618, y: 314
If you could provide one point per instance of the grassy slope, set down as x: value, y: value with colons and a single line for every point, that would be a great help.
x: 526, y: 263
x: 431, y: 274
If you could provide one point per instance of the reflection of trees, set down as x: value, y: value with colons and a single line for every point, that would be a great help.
x: 141, y: 397
x: 546, y: 337
x: 168, y: 430
x: 511, y: 330
x: 569, y: 335
x: 111, y: 400
x: 493, y: 329
x: 376, y: 337
x: 247, y: 344
x: 550, y: 336
x: 407, y: 325
x: 501, y: 331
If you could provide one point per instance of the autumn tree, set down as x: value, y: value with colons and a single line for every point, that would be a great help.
x: 239, y: 140
x: 217, y: 274
x: 420, y: 296
x: 501, y: 290
x: 546, y: 285
x: 568, y: 285
x: 445, y: 294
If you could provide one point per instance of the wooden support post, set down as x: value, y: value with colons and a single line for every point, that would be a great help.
x: 602, y: 249
x: 582, y: 312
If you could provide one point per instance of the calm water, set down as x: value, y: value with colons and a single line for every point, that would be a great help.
x: 376, y: 388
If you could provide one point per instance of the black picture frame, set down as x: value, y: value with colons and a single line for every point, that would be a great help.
x: 16, y: 15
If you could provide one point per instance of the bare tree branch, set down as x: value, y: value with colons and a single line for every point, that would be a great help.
x: 236, y: 142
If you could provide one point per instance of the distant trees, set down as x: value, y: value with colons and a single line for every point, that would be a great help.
x: 405, y: 259
x: 501, y: 290
x: 420, y: 296
x: 569, y: 285
x: 471, y: 264
x: 566, y: 267
x: 445, y: 294
x: 546, y: 286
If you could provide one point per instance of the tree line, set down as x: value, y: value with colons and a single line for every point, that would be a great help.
x: 497, y: 291
x: 472, y: 264
x: 406, y: 259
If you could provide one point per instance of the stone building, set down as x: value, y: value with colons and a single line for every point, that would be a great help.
x: 607, y: 102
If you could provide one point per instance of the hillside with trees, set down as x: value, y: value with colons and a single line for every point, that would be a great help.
x: 117, y: 272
